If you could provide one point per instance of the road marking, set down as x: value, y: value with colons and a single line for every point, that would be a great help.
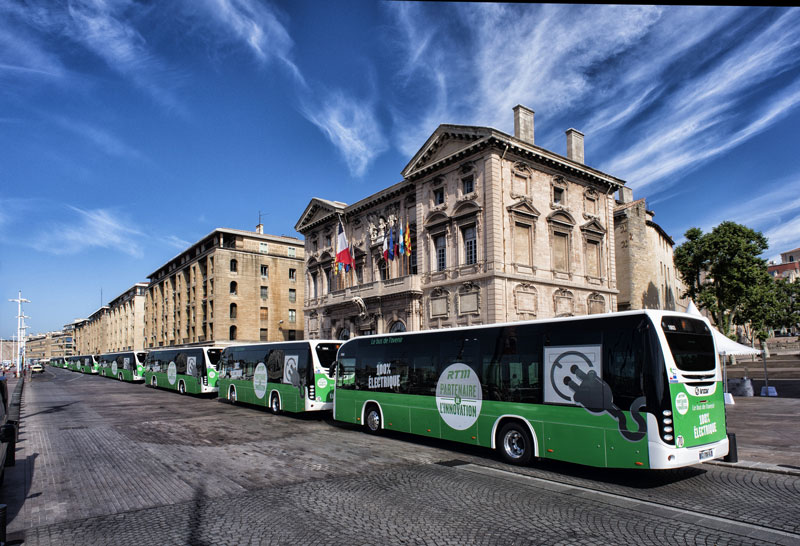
x: 726, y: 525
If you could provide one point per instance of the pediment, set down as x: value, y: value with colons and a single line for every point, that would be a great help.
x: 561, y: 217
x: 593, y: 226
x: 316, y: 211
x: 523, y: 208
x: 465, y: 208
x: 444, y: 142
x: 436, y: 218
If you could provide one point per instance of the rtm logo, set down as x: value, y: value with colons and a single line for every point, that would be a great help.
x: 458, y: 374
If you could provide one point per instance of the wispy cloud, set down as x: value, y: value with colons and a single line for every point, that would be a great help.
x: 773, y: 209
x: 176, y: 242
x: 256, y: 24
x: 82, y: 230
x: 352, y: 127
x: 102, y: 139
x: 106, y: 28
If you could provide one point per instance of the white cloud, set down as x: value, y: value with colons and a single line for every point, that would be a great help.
x: 105, y: 141
x: 86, y: 229
x: 351, y: 125
x: 176, y: 242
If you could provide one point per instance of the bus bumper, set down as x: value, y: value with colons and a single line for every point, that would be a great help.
x: 663, y: 456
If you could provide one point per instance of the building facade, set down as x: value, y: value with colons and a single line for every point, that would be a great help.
x: 126, y: 319
x: 789, y: 268
x: 232, y: 285
x: 49, y: 345
x: 646, y: 273
x: 500, y: 230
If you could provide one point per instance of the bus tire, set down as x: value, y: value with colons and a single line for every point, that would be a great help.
x: 181, y: 387
x: 515, y: 444
x: 153, y: 382
x: 120, y: 376
x: 232, y: 394
x: 275, y: 404
x: 372, y: 418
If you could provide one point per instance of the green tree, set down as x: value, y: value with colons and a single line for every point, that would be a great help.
x: 723, y: 272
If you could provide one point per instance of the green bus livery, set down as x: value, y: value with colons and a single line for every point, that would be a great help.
x: 83, y: 363
x: 186, y: 370
x: 639, y: 389
x: 58, y: 362
x: 125, y: 366
x: 288, y: 376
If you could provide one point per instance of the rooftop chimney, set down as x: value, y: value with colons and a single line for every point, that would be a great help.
x: 575, y: 145
x: 523, y: 123
x: 260, y: 229
x: 625, y: 195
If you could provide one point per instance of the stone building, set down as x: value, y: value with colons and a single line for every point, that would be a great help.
x: 789, y: 268
x: 646, y: 273
x: 231, y: 285
x: 501, y: 230
x: 93, y: 333
x: 49, y: 345
x: 126, y: 319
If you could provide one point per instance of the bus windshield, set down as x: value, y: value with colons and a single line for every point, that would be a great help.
x: 213, y: 357
x: 326, y: 353
x: 690, y: 343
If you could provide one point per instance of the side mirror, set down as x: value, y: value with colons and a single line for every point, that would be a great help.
x: 8, y: 433
x: 332, y: 369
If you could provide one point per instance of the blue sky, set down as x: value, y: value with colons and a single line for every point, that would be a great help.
x: 129, y: 130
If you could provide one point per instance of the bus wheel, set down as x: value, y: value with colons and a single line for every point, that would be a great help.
x: 275, y: 404
x: 232, y: 395
x: 515, y: 444
x: 181, y: 387
x: 153, y: 382
x: 120, y: 376
x: 373, y: 419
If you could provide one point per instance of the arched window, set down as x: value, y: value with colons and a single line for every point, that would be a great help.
x: 397, y: 326
x: 234, y: 266
x: 233, y: 310
x: 232, y: 332
x: 234, y: 287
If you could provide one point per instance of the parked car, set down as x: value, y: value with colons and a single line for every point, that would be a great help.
x: 37, y: 368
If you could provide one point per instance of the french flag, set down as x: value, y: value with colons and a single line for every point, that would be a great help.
x: 343, y: 255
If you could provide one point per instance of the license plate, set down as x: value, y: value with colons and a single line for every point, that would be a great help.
x: 706, y: 454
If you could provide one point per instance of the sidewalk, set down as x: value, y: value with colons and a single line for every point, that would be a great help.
x: 767, y: 433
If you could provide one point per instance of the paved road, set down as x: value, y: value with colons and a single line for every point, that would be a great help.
x: 104, y: 462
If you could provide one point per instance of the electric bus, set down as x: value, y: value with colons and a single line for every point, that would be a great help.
x: 125, y: 366
x: 288, y: 376
x: 88, y: 364
x: 58, y: 362
x: 183, y: 369
x: 638, y: 389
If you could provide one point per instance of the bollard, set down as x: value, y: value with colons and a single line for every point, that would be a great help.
x: 3, y: 508
x: 732, y: 456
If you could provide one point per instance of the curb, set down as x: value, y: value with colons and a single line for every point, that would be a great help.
x: 761, y: 467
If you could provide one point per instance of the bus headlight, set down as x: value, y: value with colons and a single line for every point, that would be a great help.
x: 666, y: 413
x: 668, y: 437
x: 667, y: 421
x: 667, y: 429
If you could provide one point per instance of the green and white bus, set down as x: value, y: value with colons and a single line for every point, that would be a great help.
x: 88, y: 364
x: 636, y: 389
x: 58, y: 362
x: 125, y: 366
x: 183, y: 369
x: 73, y: 363
x: 288, y: 376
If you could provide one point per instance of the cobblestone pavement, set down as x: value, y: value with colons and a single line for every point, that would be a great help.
x: 104, y: 462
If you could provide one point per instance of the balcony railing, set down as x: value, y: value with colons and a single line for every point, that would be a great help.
x: 389, y: 287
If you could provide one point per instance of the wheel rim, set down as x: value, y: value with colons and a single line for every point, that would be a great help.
x: 373, y: 420
x: 275, y: 404
x: 232, y: 396
x: 120, y: 377
x: 514, y: 444
x: 182, y: 388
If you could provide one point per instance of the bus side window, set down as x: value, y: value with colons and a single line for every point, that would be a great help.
x: 622, y: 365
x: 423, y: 376
x: 275, y: 366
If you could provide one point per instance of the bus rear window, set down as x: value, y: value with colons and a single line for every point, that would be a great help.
x: 213, y: 356
x: 690, y: 343
x: 326, y: 353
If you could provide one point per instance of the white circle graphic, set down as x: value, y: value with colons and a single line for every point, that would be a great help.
x: 172, y: 373
x: 114, y: 368
x: 322, y: 383
x: 458, y: 396
x: 260, y: 380
x: 682, y: 403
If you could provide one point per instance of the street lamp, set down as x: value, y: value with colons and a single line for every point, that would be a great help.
x: 21, y: 341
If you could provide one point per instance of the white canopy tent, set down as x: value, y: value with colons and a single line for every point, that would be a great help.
x: 725, y: 347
